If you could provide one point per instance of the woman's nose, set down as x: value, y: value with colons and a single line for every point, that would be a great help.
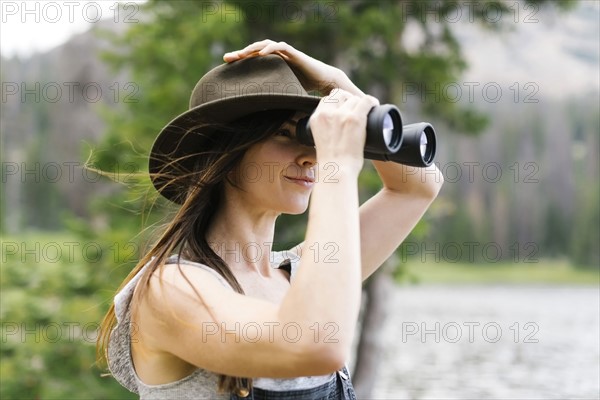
x: 307, y: 157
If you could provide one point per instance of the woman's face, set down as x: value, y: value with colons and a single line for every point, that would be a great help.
x: 277, y: 174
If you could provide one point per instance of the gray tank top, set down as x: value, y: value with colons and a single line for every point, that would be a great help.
x: 200, y: 384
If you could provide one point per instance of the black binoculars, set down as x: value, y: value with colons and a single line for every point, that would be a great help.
x: 387, y: 139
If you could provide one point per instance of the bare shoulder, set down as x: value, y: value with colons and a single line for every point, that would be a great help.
x: 162, y: 313
x: 176, y: 289
x: 184, y: 276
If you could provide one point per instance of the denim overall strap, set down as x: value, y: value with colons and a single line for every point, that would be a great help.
x: 347, y: 390
x: 339, y: 388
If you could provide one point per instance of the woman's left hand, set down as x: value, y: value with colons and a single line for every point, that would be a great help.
x: 312, y: 73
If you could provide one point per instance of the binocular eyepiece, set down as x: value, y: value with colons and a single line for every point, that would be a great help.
x: 387, y: 139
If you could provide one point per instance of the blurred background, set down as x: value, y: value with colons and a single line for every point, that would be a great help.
x: 494, y: 295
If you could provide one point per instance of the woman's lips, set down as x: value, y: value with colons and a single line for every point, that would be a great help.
x: 302, y: 181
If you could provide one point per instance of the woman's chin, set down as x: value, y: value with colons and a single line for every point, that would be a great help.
x: 296, y: 208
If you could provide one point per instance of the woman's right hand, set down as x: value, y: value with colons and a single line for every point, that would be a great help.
x: 338, y: 125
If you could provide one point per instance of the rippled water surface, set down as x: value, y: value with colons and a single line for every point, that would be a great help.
x: 485, y: 342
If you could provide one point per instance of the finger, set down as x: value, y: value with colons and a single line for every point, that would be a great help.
x: 256, y: 46
x: 282, y: 55
x: 246, y: 51
x: 276, y: 47
x: 374, y: 100
x: 234, y: 56
x: 364, y: 104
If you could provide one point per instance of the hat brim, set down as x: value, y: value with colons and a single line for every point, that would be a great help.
x: 174, y: 140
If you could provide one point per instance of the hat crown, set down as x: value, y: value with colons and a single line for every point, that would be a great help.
x: 268, y: 75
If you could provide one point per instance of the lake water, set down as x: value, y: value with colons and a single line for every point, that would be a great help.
x: 492, y: 342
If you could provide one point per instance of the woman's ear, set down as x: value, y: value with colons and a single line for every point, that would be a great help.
x: 233, y: 179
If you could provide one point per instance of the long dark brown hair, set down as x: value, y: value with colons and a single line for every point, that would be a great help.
x: 200, y: 193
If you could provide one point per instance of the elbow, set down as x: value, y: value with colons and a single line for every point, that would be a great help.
x: 424, y: 187
x: 436, y: 187
x: 434, y: 180
x: 335, y: 356
x: 325, y: 356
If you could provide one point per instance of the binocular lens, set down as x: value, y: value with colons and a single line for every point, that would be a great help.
x: 384, y: 129
x: 388, y: 130
x: 423, y: 144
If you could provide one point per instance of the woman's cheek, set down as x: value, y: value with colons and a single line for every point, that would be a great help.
x: 279, y: 156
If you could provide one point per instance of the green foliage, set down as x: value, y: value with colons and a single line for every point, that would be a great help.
x: 165, y: 60
x: 365, y: 38
x: 563, y: 5
x: 586, y: 231
x: 54, y: 289
x: 41, y: 194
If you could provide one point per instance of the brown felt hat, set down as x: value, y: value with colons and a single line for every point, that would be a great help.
x: 226, y: 93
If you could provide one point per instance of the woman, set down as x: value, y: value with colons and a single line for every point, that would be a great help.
x: 211, y: 311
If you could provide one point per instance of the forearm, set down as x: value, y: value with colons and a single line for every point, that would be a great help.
x: 341, y: 81
x: 327, y: 286
x: 425, y: 182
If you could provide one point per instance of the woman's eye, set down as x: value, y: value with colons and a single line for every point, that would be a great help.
x: 284, y: 132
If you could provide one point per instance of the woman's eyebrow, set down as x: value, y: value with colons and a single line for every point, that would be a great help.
x: 292, y: 121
